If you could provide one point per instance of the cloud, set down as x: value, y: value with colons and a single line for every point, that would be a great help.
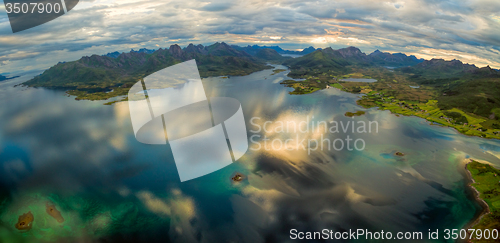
x: 467, y: 28
x: 217, y: 6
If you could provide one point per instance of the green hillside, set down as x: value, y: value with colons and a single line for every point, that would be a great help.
x: 487, y: 183
x: 449, y: 93
x: 320, y: 61
x: 95, y: 76
x: 271, y: 55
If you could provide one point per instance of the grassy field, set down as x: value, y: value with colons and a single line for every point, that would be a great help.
x: 395, y: 92
x: 487, y: 183
x: 430, y: 111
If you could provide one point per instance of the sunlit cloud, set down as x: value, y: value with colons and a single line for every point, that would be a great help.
x: 465, y: 30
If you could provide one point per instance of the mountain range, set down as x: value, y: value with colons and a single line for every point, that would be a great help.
x: 89, y: 76
x: 253, y: 50
x: 453, y: 84
x: 115, y: 54
x: 97, y: 73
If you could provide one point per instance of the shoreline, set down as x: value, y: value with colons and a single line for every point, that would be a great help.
x: 429, y: 121
x: 111, y: 92
x: 482, y: 203
x: 381, y: 107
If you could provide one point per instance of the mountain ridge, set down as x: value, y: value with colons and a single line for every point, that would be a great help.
x: 118, y: 71
x: 252, y: 50
x: 93, y: 74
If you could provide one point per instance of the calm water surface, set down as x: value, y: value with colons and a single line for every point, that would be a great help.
x: 82, y: 157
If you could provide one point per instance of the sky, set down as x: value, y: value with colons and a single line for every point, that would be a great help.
x: 467, y: 30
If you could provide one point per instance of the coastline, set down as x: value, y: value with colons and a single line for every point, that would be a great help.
x: 482, y: 203
x: 431, y: 122
x: 120, y: 93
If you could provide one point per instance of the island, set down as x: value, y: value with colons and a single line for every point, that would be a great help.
x: 400, y: 154
x: 275, y: 71
x: 486, y: 183
x: 445, y: 93
x: 53, y: 212
x: 303, y: 87
x: 237, y: 177
x: 25, y: 221
x: 3, y: 78
x: 357, y: 113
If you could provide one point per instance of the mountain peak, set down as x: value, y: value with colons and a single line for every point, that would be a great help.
x: 175, y: 50
x: 351, y: 52
x: 223, y: 49
x: 191, y: 48
x: 440, y: 64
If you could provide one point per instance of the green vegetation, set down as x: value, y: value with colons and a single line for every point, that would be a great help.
x: 353, y: 75
x: 115, y: 101
x: 93, y: 95
x: 463, y: 86
x: 340, y: 62
x: 431, y: 112
x: 456, y: 117
x: 3, y: 78
x: 103, y: 77
x: 357, y: 113
x: 316, y: 63
x: 450, y: 93
x: 480, y: 96
x: 303, y: 87
x: 275, y: 71
x: 336, y: 85
x: 487, y: 183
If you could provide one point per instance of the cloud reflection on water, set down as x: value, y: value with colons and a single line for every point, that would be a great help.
x: 85, y: 147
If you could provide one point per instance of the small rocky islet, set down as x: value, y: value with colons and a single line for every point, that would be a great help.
x: 25, y: 221
x: 237, y: 177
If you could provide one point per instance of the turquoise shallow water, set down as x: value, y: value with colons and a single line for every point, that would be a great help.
x: 82, y: 157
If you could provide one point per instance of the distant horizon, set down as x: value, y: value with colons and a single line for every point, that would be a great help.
x: 14, y: 73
